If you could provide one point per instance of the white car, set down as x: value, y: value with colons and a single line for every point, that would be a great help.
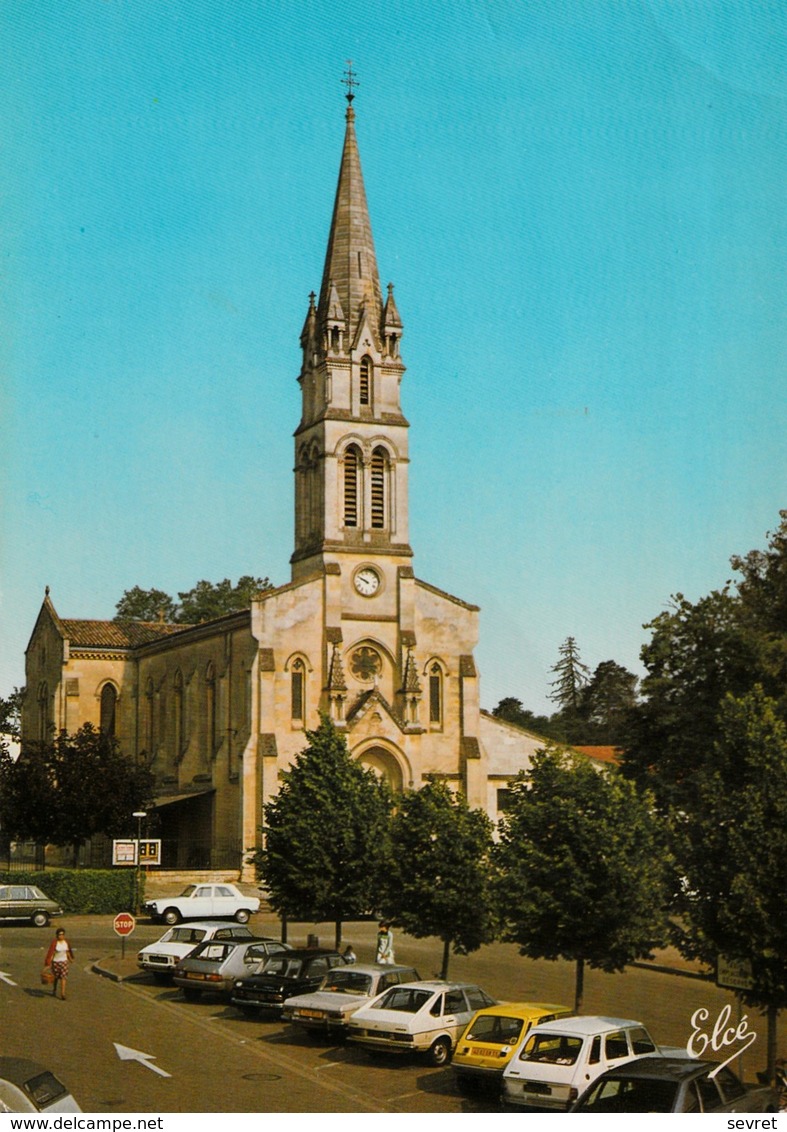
x: 27, y: 1086
x: 558, y: 1060
x: 425, y: 1017
x: 161, y: 958
x: 343, y: 992
x: 203, y: 901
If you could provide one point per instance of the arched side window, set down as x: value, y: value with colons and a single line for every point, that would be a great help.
x: 378, y: 484
x: 179, y: 716
x: 298, y: 691
x: 108, y: 712
x: 366, y: 380
x: 43, y: 711
x: 210, y: 711
x: 352, y: 466
x: 436, y: 695
x: 150, y: 732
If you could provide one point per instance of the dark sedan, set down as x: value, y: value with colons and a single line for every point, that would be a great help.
x: 297, y: 972
x: 673, y: 1084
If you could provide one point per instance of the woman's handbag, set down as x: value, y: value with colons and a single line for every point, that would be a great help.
x: 47, y: 978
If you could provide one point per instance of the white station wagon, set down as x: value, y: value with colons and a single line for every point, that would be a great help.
x: 558, y: 1060
x: 425, y: 1017
x: 162, y: 957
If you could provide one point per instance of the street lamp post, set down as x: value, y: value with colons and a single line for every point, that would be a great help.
x: 139, y: 815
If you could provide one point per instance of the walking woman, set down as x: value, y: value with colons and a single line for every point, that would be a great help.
x: 58, y: 957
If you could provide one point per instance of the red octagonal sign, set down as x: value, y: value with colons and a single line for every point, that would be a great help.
x: 124, y: 923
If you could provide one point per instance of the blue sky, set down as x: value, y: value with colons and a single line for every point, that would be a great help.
x: 582, y: 207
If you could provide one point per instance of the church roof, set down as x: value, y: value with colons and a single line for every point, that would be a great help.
x: 351, y: 281
x: 115, y: 634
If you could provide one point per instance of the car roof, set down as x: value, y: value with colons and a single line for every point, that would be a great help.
x: 373, y: 968
x: 674, y: 1068
x: 584, y: 1024
x: 437, y: 985
x: 310, y: 952
x: 524, y: 1009
x: 212, y: 924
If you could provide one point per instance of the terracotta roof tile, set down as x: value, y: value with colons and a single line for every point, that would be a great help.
x: 115, y: 634
x: 602, y: 754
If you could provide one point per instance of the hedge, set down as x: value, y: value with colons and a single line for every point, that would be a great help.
x: 82, y: 891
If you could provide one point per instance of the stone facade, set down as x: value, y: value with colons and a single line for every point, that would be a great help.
x: 220, y: 709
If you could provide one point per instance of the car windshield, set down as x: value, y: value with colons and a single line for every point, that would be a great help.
x: 631, y: 1095
x: 494, y: 1028
x: 348, y: 982
x: 407, y: 999
x: 283, y: 965
x: 212, y: 950
x: 556, y: 1049
x: 187, y: 891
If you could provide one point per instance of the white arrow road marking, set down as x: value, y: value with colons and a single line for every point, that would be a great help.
x: 6, y: 978
x: 127, y: 1054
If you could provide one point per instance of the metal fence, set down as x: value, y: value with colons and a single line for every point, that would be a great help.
x: 192, y: 854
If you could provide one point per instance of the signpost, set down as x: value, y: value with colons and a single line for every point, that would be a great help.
x: 123, y: 924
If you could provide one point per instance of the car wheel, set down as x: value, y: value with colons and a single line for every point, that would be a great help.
x: 190, y: 994
x: 242, y: 916
x: 440, y: 1052
x: 171, y: 916
x: 40, y: 919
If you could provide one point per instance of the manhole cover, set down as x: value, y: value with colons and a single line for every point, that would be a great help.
x: 261, y: 1077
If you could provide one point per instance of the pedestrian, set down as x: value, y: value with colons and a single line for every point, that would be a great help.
x: 385, y: 948
x: 58, y: 958
x: 348, y: 955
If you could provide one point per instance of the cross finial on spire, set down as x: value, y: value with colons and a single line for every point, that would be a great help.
x: 350, y: 81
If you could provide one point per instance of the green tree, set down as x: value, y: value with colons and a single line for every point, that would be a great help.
x: 326, y: 834
x: 512, y: 710
x: 606, y: 700
x: 145, y: 605
x: 571, y: 675
x: 11, y: 713
x: 66, y: 791
x: 580, y: 867
x: 697, y: 654
x: 732, y: 851
x: 438, y: 876
x: 204, y: 602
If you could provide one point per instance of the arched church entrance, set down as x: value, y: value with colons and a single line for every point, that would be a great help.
x: 384, y: 764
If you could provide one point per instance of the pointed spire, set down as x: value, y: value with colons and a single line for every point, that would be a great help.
x: 351, y: 263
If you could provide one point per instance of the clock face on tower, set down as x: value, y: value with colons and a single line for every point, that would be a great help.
x: 367, y: 581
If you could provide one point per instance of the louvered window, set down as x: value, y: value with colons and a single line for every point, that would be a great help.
x: 351, y: 487
x: 435, y: 695
x: 378, y: 488
x: 298, y: 690
x: 108, y: 707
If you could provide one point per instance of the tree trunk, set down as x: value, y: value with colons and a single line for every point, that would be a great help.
x: 338, y: 937
x: 284, y: 927
x: 773, y: 1015
x: 579, y: 991
x: 446, y: 957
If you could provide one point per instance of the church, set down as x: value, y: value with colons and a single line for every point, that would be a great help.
x: 218, y: 710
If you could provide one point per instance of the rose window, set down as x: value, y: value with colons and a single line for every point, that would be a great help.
x: 365, y: 664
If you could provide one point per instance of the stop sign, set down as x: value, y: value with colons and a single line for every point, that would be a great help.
x: 124, y: 923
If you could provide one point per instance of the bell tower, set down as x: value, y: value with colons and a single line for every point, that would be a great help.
x: 351, y: 452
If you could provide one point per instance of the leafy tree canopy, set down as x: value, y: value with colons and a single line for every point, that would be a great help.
x: 325, y: 834
x: 65, y: 791
x: 580, y: 866
x: 11, y: 713
x: 204, y: 602
x: 438, y: 876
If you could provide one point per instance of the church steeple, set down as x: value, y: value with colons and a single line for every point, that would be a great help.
x: 350, y: 278
x: 351, y: 443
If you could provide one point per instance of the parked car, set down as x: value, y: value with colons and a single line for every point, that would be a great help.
x: 283, y: 976
x: 557, y: 1061
x: 671, y: 1084
x: 341, y: 993
x: 27, y: 1086
x: 162, y: 957
x: 214, y: 965
x: 424, y: 1017
x: 490, y: 1038
x: 27, y: 902
x: 203, y: 901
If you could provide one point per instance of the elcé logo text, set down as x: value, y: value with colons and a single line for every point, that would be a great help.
x: 720, y: 1036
